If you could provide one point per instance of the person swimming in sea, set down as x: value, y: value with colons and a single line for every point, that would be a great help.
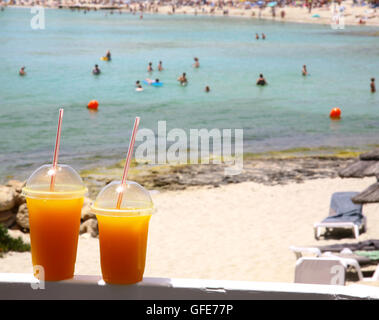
x: 372, y: 85
x: 197, y: 63
x: 96, y: 70
x: 138, y: 83
x: 207, y: 89
x: 108, y: 55
x: 139, y: 88
x: 160, y: 68
x: 304, y: 72
x: 263, y: 36
x: 256, y: 36
x: 150, y: 67
x: 261, y: 80
x: 22, y: 71
x: 183, y: 79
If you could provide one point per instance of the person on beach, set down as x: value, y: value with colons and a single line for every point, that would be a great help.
x: 108, y: 55
x: 256, y: 36
x: 207, y: 89
x: 372, y: 85
x: 96, y: 70
x: 304, y: 72
x: 183, y: 79
x: 261, y: 80
x: 197, y: 63
x: 150, y: 67
x: 160, y: 68
x: 263, y: 36
x: 22, y: 71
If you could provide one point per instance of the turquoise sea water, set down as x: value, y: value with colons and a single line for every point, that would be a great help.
x: 292, y: 111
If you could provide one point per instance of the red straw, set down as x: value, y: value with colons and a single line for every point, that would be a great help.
x: 56, y: 151
x: 127, y: 163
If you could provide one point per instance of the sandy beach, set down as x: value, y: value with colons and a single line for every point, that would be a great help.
x: 235, y: 232
x: 350, y: 14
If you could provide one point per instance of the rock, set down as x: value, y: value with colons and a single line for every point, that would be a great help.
x: 19, y: 198
x: 86, y: 210
x: 7, y: 198
x: 18, y: 234
x: 22, y: 217
x: 7, y: 218
x: 16, y: 185
x: 90, y: 226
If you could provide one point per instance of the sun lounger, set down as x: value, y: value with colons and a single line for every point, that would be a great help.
x: 328, y: 270
x: 359, y: 256
x: 366, y: 245
x: 343, y: 214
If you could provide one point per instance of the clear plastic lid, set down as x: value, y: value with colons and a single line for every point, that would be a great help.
x: 136, y: 200
x: 67, y: 183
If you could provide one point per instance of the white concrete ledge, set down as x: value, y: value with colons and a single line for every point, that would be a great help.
x: 19, y: 286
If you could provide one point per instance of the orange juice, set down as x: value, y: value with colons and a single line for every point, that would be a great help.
x: 123, y: 241
x: 54, y: 230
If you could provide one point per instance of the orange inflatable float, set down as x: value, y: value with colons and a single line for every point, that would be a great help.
x: 93, y: 105
x: 335, y: 113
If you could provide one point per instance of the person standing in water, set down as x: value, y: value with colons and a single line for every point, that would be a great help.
x: 197, y: 63
x: 108, y: 55
x: 96, y: 70
x: 304, y: 72
x: 150, y: 67
x: 261, y: 80
x: 207, y: 89
x: 160, y: 68
x: 22, y: 71
x: 372, y: 85
x: 183, y: 79
x: 263, y: 36
x: 256, y: 36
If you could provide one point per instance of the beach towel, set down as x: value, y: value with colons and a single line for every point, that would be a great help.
x: 343, y: 209
x: 367, y: 245
x: 355, y: 216
x: 372, y: 255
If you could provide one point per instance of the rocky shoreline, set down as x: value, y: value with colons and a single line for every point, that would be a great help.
x: 269, y: 171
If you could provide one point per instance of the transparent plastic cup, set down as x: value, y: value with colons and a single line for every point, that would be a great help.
x: 123, y: 232
x: 54, y: 219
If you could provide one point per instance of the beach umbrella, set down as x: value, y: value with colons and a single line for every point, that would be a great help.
x: 272, y: 4
x: 260, y: 3
x: 316, y: 16
x: 366, y: 166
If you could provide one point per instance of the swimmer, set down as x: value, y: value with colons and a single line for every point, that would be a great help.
x: 160, y: 68
x: 256, y: 36
x: 150, y: 68
x: 157, y: 80
x: 261, y: 80
x: 96, y: 70
x: 138, y: 83
x: 182, y: 79
x: 22, y: 71
x: 263, y: 36
x: 207, y: 89
x: 139, y: 88
x: 372, y: 85
x: 304, y: 72
x: 108, y: 55
x: 197, y: 63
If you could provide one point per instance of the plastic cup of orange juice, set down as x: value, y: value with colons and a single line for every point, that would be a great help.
x: 123, y: 231
x: 54, y: 219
